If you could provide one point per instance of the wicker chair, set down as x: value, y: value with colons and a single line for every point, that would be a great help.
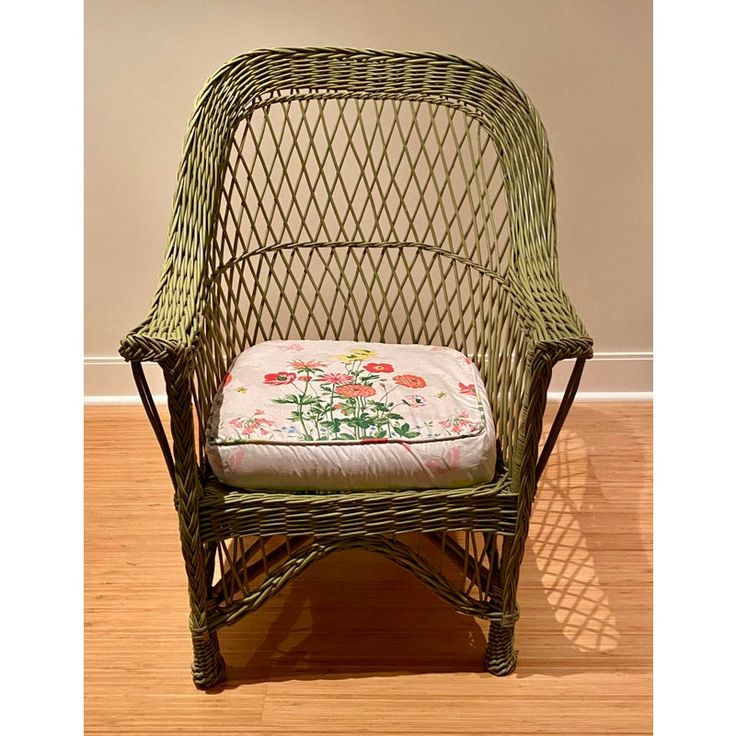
x: 362, y: 195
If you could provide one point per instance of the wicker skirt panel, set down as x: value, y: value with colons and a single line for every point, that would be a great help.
x: 459, y: 567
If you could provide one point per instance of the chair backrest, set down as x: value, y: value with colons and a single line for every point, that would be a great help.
x: 366, y: 195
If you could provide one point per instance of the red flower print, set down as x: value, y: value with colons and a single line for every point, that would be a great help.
x: 354, y: 390
x: 282, y: 377
x: 379, y: 367
x: 336, y: 378
x: 306, y: 365
x: 410, y: 381
x: 305, y: 378
x: 226, y: 380
x: 467, y: 389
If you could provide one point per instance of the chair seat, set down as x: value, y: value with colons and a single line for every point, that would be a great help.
x: 336, y: 415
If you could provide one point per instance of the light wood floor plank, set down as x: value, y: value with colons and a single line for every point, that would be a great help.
x: 356, y: 645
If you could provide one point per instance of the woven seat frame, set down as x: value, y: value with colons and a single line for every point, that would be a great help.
x: 365, y: 196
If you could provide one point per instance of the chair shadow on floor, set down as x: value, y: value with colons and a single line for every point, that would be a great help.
x: 356, y: 614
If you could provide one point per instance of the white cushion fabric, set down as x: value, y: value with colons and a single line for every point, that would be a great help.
x: 335, y: 415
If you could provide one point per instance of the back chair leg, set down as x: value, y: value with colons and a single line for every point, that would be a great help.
x: 208, y: 666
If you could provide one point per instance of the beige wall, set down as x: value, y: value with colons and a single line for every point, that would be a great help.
x: 586, y: 64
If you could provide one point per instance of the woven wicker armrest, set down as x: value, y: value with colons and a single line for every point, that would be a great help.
x: 564, y: 344
x: 140, y: 346
x: 172, y: 325
x: 553, y: 326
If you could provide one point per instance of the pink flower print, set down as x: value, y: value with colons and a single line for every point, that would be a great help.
x: 235, y: 460
x: 248, y: 426
x: 452, y: 457
x: 449, y: 460
x: 306, y: 365
x: 336, y: 378
x: 467, y: 388
x: 459, y: 423
x: 415, y: 400
x: 216, y: 463
x: 257, y: 425
x: 355, y: 390
x: 292, y: 346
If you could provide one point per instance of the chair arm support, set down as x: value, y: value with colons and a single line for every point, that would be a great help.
x: 528, y: 462
x: 181, y: 463
x: 554, y: 332
x: 541, y: 358
x: 170, y: 336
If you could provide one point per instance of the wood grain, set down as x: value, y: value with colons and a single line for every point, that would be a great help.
x: 379, y: 654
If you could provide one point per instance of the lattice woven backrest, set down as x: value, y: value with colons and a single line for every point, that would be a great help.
x: 363, y: 195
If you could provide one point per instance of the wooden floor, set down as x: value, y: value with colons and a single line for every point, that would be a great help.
x: 358, y: 646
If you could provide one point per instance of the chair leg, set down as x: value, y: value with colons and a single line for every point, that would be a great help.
x: 500, y: 656
x: 208, y: 666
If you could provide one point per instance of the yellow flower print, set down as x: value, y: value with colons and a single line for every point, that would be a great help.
x: 357, y: 354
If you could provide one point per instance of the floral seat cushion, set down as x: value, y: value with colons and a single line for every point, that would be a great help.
x: 335, y: 415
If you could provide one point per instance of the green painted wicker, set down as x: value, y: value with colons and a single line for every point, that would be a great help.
x: 363, y: 195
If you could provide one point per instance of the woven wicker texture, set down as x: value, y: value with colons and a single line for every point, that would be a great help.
x: 360, y: 195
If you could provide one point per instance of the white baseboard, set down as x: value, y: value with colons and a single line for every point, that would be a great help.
x: 622, y: 376
x: 117, y: 400
x: 596, y: 396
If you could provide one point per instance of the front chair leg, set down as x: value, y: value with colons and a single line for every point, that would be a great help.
x: 208, y: 666
x: 500, y: 656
